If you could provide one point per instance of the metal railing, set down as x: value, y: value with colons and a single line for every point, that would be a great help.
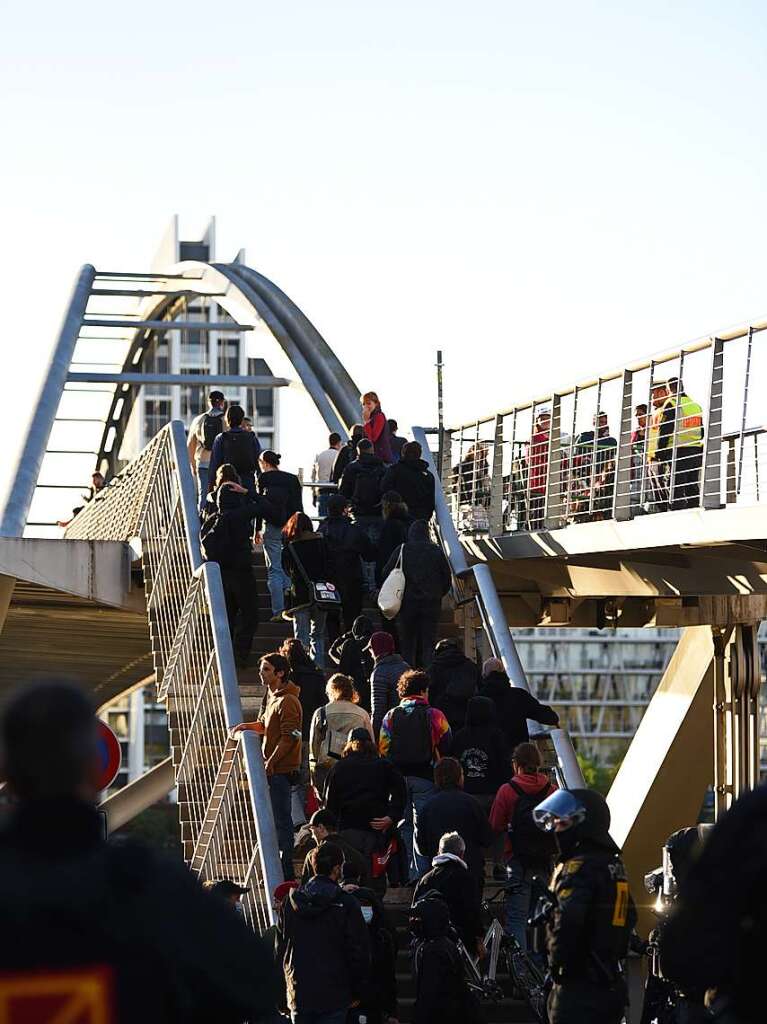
x: 224, y: 807
x: 582, y: 454
x: 475, y: 583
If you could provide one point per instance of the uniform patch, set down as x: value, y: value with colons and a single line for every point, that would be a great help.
x: 621, y: 908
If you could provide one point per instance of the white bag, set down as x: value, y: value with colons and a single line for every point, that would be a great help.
x: 393, y: 590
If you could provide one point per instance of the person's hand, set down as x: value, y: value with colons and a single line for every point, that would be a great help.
x: 269, y: 769
x: 350, y: 887
x: 481, y: 951
x: 258, y: 539
x: 354, y: 1004
x: 237, y: 488
x: 257, y: 727
x: 381, y: 824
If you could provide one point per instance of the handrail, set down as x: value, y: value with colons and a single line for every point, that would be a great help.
x: 226, y: 818
x: 493, y: 618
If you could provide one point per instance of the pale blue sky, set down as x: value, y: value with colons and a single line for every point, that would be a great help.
x: 540, y: 190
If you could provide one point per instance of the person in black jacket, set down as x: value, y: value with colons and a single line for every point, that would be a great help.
x: 349, y: 546
x: 361, y: 484
x: 324, y: 943
x: 378, y: 1002
x: 412, y: 478
x: 233, y: 520
x: 352, y: 655
x: 454, y: 679
x: 513, y: 704
x: 71, y: 900
x: 451, y: 878
x: 324, y: 829
x: 449, y: 810
x: 396, y: 523
x: 283, y: 493
x: 442, y: 994
x: 348, y: 453
x: 311, y: 682
x: 427, y: 580
x: 236, y: 446
x: 306, y: 560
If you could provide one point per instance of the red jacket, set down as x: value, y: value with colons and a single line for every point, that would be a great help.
x: 377, y: 431
x: 502, y: 811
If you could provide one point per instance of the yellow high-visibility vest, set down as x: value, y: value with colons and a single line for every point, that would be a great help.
x: 689, y: 424
x: 653, y: 434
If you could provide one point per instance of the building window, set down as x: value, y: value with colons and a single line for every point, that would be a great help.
x: 157, y: 413
x: 229, y: 356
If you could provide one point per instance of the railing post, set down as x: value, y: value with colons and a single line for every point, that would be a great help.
x: 712, y: 465
x: 552, y: 510
x: 496, y: 480
x: 622, y: 501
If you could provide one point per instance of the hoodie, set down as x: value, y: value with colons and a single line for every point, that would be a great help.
x: 412, y: 479
x: 383, y: 686
x: 282, y: 720
x: 502, y: 811
x: 427, y: 573
x: 481, y: 748
x: 453, y: 682
x: 323, y: 942
x: 514, y: 706
x: 450, y: 877
x: 351, y: 654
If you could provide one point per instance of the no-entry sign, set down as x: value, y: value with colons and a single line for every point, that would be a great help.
x: 110, y: 755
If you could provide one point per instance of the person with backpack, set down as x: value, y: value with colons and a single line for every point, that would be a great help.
x: 283, y: 492
x: 451, y: 809
x: 349, y: 546
x: 528, y: 851
x: 237, y: 446
x: 451, y: 878
x: 454, y: 679
x: 513, y: 704
x: 306, y: 561
x: 378, y: 1000
x: 377, y: 427
x: 427, y: 580
x: 352, y: 655
x: 388, y: 669
x: 225, y: 538
x: 442, y: 994
x: 412, y: 478
x: 203, y: 431
x: 330, y: 726
x: 413, y: 736
x: 347, y: 453
x: 361, y: 484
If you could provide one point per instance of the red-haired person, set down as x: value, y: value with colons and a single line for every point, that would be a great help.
x: 377, y: 427
x: 307, y: 560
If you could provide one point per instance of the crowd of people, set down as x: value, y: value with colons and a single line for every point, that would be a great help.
x: 666, y: 457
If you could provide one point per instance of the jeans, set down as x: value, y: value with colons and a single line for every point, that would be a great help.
x: 318, y: 1016
x: 519, y: 887
x: 203, y: 477
x: 276, y: 580
x: 322, y: 503
x: 309, y: 628
x: 418, y: 632
x: 279, y: 793
x: 419, y: 791
x: 242, y: 610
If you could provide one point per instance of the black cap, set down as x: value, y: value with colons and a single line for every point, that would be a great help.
x: 225, y: 888
x: 360, y: 733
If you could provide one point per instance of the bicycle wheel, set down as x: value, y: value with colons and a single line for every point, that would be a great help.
x: 529, y: 981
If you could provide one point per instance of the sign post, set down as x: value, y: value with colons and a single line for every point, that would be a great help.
x: 110, y: 755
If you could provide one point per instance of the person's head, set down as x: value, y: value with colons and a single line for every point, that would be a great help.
x: 392, y: 505
x: 49, y: 743
x: 358, y: 432
x: 362, y: 628
x: 97, y: 481
x: 418, y: 533
x: 448, y: 774
x: 298, y: 526
x: 327, y: 861
x: 334, y: 440
x: 600, y: 421
x: 480, y: 713
x: 269, y: 460
x: 393, y: 426
x: 247, y: 424
x: 411, y: 452
x: 659, y: 393
x: 491, y: 665
x: 381, y: 644
x: 526, y: 759
x: 225, y: 889
x: 370, y: 402
x: 575, y: 816
x: 364, y: 447
x: 543, y: 420
x: 641, y: 414
x: 447, y: 646
x: 359, y: 741
x: 235, y: 414
x: 337, y: 506
x: 274, y: 670
x: 451, y: 842
x: 227, y: 474
x: 413, y: 683
x: 341, y: 687
x: 281, y: 893
x: 675, y: 385
x: 323, y: 824
x: 217, y: 400
x: 293, y: 652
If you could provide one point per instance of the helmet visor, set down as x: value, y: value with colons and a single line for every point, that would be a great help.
x: 558, y: 812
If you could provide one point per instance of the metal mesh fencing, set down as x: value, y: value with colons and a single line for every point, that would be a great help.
x: 224, y: 808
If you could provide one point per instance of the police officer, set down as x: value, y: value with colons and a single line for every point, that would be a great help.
x: 593, y: 914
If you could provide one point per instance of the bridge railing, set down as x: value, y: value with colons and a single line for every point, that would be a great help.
x: 224, y: 807
x: 542, y: 465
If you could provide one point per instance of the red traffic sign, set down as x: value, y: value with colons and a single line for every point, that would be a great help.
x: 110, y: 755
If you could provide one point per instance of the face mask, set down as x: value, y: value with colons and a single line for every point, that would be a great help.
x: 367, y: 913
x: 239, y: 908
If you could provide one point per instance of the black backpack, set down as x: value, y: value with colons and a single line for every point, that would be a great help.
x: 367, y: 491
x: 209, y: 429
x: 238, y: 448
x: 410, y: 731
x: 532, y: 846
x: 216, y: 539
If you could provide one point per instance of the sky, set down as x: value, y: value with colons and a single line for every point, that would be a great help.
x: 540, y: 190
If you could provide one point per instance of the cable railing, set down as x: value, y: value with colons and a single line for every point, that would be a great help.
x: 226, y: 819
x: 681, y: 430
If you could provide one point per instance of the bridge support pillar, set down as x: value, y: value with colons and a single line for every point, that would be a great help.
x: 737, y: 680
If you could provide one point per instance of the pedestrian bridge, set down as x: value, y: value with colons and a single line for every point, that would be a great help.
x: 124, y: 594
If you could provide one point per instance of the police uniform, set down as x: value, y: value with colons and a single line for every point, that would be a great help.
x: 589, y: 931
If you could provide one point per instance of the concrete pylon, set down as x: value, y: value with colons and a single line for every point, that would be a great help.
x: 663, y: 778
